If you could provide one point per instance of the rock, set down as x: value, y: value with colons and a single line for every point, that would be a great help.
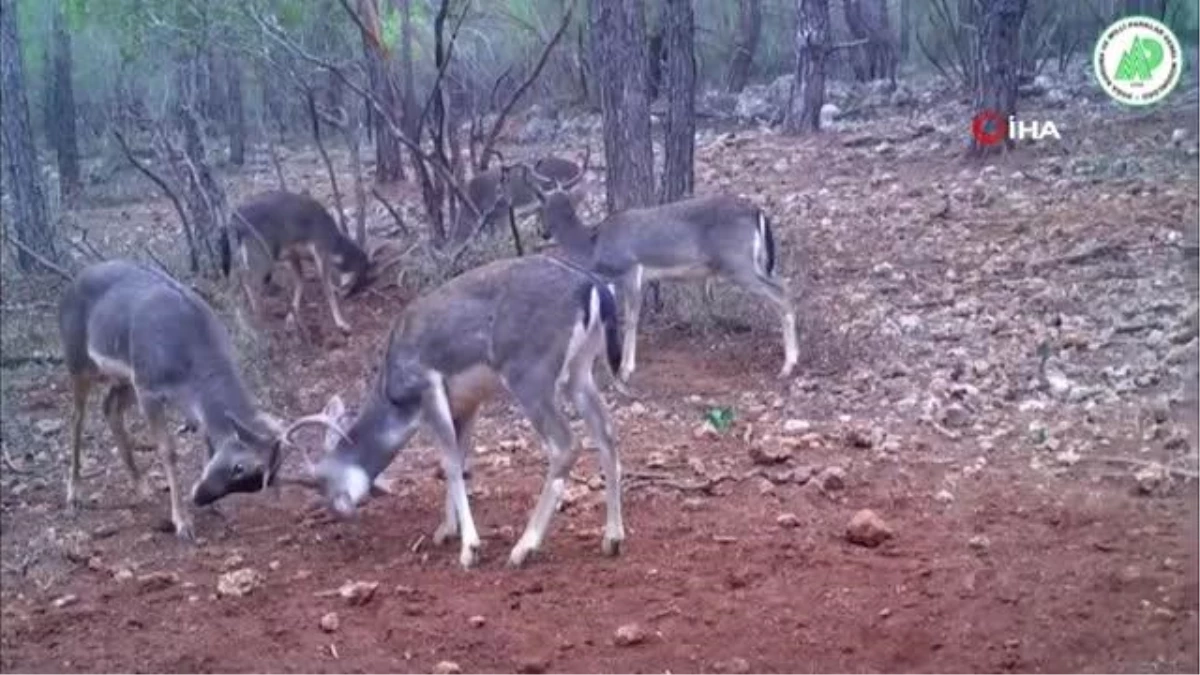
x: 782, y: 476
x: 802, y: 474
x: 796, y: 426
x: 831, y: 479
x: 476, y: 621
x: 447, y: 668
x: 533, y: 665
x: 122, y: 574
x: 65, y: 601
x: 233, y: 561
x: 157, y: 581
x: 955, y: 416
x: 637, y: 408
x: 1152, y: 479
x: 736, y: 666
x: 943, y: 496
x: 860, y: 437
x: 705, y: 430
x: 48, y: 427
x: 829, y: 113
x: 239, y: 583
x: 628, y: 635
x: 787, y: 520
x: 764, y: 455
x: 866, y: 528
x: 358, y: 592
x: 1178, y: 136
x: 656, y: 460
x: 979, y: 542
x: 330, y: 622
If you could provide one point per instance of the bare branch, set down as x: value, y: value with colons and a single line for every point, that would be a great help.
x: 162, y: 185
x: 520, y: 91
x: 40, y: 259
x: 391, y: 210
x: 316, y: 131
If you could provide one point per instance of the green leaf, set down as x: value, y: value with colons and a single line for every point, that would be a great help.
x: 389, y: 27
x: 720, y: 418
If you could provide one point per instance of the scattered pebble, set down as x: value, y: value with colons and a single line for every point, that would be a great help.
x: 766, y: 455
x: 943, y: 496
x: 628, y: 635
x: 447, y: 668
x: 866, y: 528
x: 239, y: 583
x: 795, y: 426
x: 358, y: 592
x: 533, y: 665
x: 157, y: 581
x: 788, y: 520
x: 979, y: 542
x: 48, y: 427
x: 477, y: 621
x: 330, y: 622
x: 65, y: 601
x: 831, y: 479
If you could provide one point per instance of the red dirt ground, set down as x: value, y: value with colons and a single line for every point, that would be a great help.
x: 1024, y: 569
x: 1064, y: 574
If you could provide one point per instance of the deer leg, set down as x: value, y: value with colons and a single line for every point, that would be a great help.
x: 631, y: 299
x: 591, y: 408
x: 293, y: 317
x: 775, y: 291
x: 116, y: 402
x: 454, y: 466
x: 448, y: 529
x: 81, y: 386
x: 156, y: 415
x: 516, y: 233
x: 538, y: 403
x: 326, y: 276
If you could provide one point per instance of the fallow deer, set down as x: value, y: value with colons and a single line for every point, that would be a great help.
x: 700, y: 237
x: 161, y: 346
x: 278, y: 225
x: 534, y: 325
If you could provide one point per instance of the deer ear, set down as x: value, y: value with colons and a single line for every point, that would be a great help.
x: 335, y: 410
x: 247, y: 435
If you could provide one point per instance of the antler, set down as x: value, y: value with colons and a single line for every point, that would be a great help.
x: 319, y: 419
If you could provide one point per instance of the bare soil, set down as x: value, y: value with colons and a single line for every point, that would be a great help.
x: 1009, y: 552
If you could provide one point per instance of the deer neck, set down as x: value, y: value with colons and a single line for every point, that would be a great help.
x: 219, y: 397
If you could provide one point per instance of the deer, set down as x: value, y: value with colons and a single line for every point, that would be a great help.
x: 156, y: 343
x: 278, y: 225
x: 496, y: 192
x: 706, y: 237
x: 533, y: 325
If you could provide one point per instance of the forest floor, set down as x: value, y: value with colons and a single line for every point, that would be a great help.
x: 994, y: 362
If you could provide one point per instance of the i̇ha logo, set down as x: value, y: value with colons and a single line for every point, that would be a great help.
x: 990, y: 127
x: 1138, y: 60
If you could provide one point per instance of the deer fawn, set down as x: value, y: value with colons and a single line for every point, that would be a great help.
x: 701, y: 237
x: 279, y: 225
x: 533, y: 324
x: 161, y: 346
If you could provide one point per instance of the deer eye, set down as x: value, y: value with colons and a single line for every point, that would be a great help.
x: 237, y: 469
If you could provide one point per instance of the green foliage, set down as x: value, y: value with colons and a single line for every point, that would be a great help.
x: 720, y: 418
x: 389, y: 26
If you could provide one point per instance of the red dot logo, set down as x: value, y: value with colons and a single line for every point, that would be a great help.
x: 989, y: 128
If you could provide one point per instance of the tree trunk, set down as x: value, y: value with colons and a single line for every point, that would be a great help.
x: 379, y: 72
x: 237, y: 114
x: 62, y: 117
x: 679, y: 166
x: 997, y: 61
x: 749, y: 31
x: 409, y: 86
x: 812, y: 53
x: 28, y: 220
x: 618, y: 36
x: 868, y: 20
x: 906, y: 10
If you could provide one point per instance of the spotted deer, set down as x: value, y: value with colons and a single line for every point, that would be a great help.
x: 160, y: 346
x: 533, y: 325
x: 718, y: 236
x: 276, y: 226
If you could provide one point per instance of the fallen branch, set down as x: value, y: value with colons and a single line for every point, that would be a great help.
x: 1178, y: 472
x: 41, y: 260
x: 12, y: 466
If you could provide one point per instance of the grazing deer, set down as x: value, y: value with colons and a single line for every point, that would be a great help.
x: 279, y: 225
x: 496, y: 192
x: 533, y: 324
x: 701, y: 237
x: 161, y: 346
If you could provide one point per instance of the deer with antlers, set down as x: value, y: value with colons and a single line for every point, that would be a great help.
x: 701, y: 237
x: 534, y: 326
x: 277, y: 225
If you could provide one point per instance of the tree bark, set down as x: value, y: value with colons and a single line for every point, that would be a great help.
x: 29, y: 221
x: 388, y: 168
x: 749, y: 31
x: 618, y: 37
x: 997, y: 62
x: 679, y: 165
x: 812, y: 53
x: 868, y: 20
x: 62, y: 117
x: 906, y: 9
x: 237, y: 114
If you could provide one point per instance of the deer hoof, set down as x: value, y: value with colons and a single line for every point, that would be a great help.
x: 185, y: 530
x: 469, y: 557
x: 444, y: 533
x: 786, y: 370
x: 611, y: 547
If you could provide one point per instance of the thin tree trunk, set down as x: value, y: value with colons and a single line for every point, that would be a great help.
x: 618, y: 36
x: 63, y: 116
x: 812, y: 53
x: 29, y: 221
x: 237, y: 114
x: 906, y: 9
x: 749, y: 31
x: 388, y: 168
x: 997, y: 61
x: 679, y: 145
